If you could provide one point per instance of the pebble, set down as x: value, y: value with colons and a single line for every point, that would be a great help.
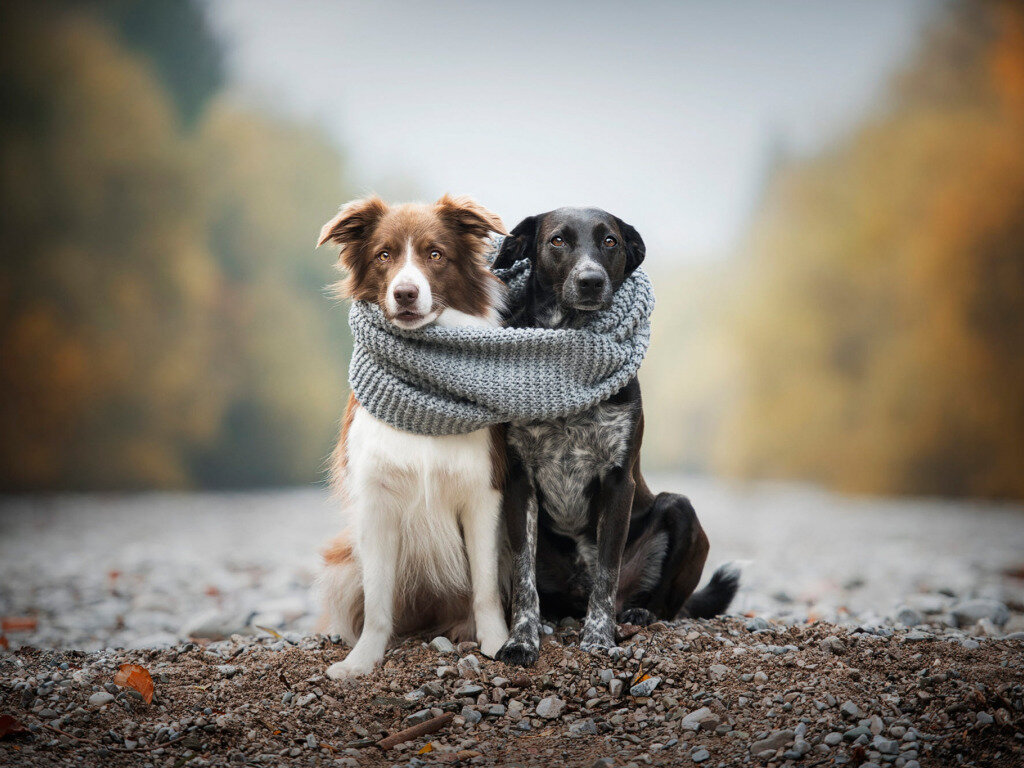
x: 442, y: 645
x: 969, y: 612
x: 550, y: 707
x: 471, y: 715
x: 850, y: 711
x: 645, y: 687
x: 833, y: 644
x: 615, y: 687
x: 700, y: 756
x: 833, y: 738
x: 419, y: 717
x: 701, y: 718
x: 583, y: 727
x: 984, y: 718
x: 908, y: 617
x: 470, y: 689
x: 469, y: 665
x: 100, y: 699
x: 775, y: 741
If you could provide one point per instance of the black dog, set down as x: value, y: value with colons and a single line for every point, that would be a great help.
x: 588, y: 537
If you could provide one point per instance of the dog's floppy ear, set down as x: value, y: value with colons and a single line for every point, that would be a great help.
x: 469, y: 216
x: 353, y: 222
x: 635, y: 248
x: 521, y: 243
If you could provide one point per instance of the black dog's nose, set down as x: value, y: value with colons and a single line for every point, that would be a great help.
x: 591, y: 283
x: 406, y: 294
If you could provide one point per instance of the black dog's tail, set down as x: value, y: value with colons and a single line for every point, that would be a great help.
x: 715, y: 597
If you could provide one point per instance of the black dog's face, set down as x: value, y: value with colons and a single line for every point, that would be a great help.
x: 581, y: 255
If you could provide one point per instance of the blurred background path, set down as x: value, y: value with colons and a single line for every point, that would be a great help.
x: 142, y: 570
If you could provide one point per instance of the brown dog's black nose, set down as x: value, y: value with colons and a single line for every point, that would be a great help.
x: 591, y: 283
x: 406, y: 294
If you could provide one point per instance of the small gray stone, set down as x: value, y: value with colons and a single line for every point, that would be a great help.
x: 228, y: 670
x: 100, y: 699
x: 469, y: 665
x: 916, y: 636
x: 908, y: 617
x: 833, y: 738
x: 850, y: 711
x: 700, y: 756
x: 718, y: 671
x: 442, y: 645
x: 701, y: 718
x: 419, y: 717
x: 886, y: 746
x: 615, y: 687
x: 833, y: 644
x: 603, y: 762
x: 645, y: 687
x: 583, y: 727
x: 776, y: 741
x: 472, y: 716
x: 969, y: 612
x: 550, y: 707
x: 469, y: 689
x: 606, y: 675
x: 855, y: 733
x: 984, y: 718
x: 757, y: 624
x: 496, y: 710
x: 305, y: 700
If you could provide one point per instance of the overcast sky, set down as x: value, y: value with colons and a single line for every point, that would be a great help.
x: 662, y: 112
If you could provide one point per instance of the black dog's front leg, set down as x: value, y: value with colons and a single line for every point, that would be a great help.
x: 613, y: 500
x: 520, y: 512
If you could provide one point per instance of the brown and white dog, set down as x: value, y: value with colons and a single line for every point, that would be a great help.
x: 420, y: 553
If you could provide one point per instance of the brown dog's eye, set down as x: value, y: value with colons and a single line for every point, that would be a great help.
x: 610, y: 241
x: 557, y: 241
x: 383, y: 256
x: 435, y: 255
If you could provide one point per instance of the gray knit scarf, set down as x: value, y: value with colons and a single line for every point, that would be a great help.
x: 448, y: 381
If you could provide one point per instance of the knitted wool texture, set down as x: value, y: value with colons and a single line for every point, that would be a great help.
x: 448, y: 381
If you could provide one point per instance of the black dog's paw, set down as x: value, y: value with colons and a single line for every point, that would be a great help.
x: 517, y: 653
x: 641, y: 617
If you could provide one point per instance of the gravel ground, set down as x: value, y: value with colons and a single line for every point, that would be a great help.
x: 911, y: 612
x: 723, y: 692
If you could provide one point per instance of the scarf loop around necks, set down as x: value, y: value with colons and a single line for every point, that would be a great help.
x: 449, y: 381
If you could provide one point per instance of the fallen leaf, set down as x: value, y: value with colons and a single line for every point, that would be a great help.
x: 18, y: 623
x: 270, y: 631
x: 428, y: 747
x: 639, y: 677
x: 134, y: 676
x: 10, y: 724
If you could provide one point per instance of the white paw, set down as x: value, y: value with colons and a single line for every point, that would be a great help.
x: 489, y: 646
x: 348, y: 668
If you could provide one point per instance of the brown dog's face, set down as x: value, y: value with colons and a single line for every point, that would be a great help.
x: 416, y: 260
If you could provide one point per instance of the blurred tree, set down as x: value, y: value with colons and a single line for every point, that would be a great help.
x: 106, y: 283
x: 175, y: 36
x: 881, y: 320
x: 162, y: 315
x: 282, y: 344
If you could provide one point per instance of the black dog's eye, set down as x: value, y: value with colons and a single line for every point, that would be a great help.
x: 610, y: 241
x: 557, y: 241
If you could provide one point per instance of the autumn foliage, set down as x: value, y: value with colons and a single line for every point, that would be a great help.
x: 162, y: 322
x: 881, y: 315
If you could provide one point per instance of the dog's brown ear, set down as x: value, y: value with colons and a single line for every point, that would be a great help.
x: 469, y: 216
x: 353, y: 222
